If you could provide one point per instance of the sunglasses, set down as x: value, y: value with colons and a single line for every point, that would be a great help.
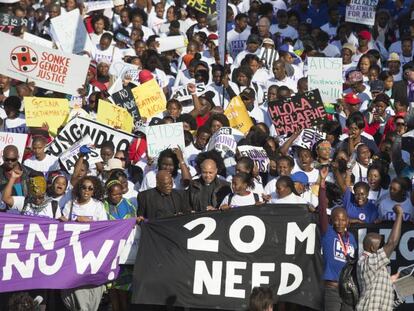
x: 87, y: 188
x: 10, y: 159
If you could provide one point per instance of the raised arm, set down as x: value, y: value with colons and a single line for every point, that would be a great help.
x: 197, y: 104
x: 7, y: 195
x: 396, y: 157
x: 323, y: 200
x: 77, y: 170
x: 284, y: 149
x: 395, y: 235
x: 185, y: 172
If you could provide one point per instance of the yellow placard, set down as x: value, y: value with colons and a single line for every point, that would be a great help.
x: 150, y: 99
x: 40, y: 110
x: 238, y: 116
x: 114, y: 116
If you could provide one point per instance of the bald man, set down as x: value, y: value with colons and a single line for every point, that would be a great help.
x: 208, y: 191
x: 373, y: 278
x: 162, y: 201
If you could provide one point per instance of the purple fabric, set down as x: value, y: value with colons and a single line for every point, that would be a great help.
x: 37, y: 252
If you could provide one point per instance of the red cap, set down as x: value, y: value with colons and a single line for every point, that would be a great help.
x: 365, y: 34
x: 212, y: 36
x: 351, y: 99
x: 144, y: 76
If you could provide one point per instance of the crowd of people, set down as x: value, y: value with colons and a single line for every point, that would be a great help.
x: 361, y: 172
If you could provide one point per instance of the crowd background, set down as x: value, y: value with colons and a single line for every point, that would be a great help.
x: 358, y: 174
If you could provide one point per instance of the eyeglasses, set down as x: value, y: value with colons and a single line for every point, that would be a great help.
x: 87, y: 188
x: 122, y: 159
x: 10, y: 159
x: 400, y: 124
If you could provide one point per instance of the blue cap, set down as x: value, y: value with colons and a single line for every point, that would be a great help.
x: 300, y: 177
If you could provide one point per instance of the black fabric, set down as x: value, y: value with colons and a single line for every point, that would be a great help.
x: 197, y: 197
x: 348, y: 283
x: 170, y: 249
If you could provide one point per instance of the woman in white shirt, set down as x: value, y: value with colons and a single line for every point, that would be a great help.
x: 285, y: 190
x: 241, y: 196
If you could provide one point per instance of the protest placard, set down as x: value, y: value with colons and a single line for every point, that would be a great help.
x: 56, y: 255
x: 181, y: 93
x: 69, y: 33
x: 225, y: 141
x: 124, y: 98
x: 238, y: 116
x: 114, y: 116
x: 325, y: 74
x: 204, y: 6
x: 296, y: 112
x: 37, y: 40
x: 122, y: 71
x: 361, y: 12
x: 161, y: 137
x: 95, y: 5
x: 68, y: 158
x: 12, y: 24
x: 48, y: 68
x: 170, y: 43
x: 39, y: 110
x: 258, y: 155
x: 79, y: 127
x: 309, y: 137
x: 150, y: 99
x: 15, y: 139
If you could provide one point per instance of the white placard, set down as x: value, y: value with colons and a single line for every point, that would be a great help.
x: 170, y: 43
x: 361, y: 12
x: 15, y: 139
x: 161, y: 137
x: 308, y: 138
x: 38, y: 40
x: 325, y: 74
x: 98, y: 5
x: 181, y: 93
x: 48, y: 68
x: 69, y: 33
x: 258, y: 155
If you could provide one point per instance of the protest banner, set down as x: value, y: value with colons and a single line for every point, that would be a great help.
x: 124, y: 98
x: 40, y: 110
x: 296, y: 112
x: 69, y: 32
x: 128, y: 72
x: 48, y: 68
x: 95, y: 5
x: 170, y: 43
x: 15, y: 139
x: 39, y: 252
x: 150, y: 99
x: 225, y: 141
x: 325, y: 74
x: 114, y: 116
x: 361, y: 12
x: 220, y: 257
x: 161, y: 137
x: 69, y: 157
x: 238, y: 116
x: 37, y: 40
x: 11, y: 24
x: 257, y: 154
x: 309, y: 137
x: 79, y: 127
x: 204, y: 6
x: 181, y: 93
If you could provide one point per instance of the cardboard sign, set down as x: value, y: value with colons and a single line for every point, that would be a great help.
x: 204, y: 6
x: 225, y: 141
x: 325, y: 74
x: 49, y: 69
x: 79, y: 127
x: 12, y: 24
x: 361, y: 12
x: 39, y: 110
x: 114, y: 116
x: 170, y: 43
x: 181, y: 93
x: 15, y: 139
x: 238, y: 116
x: 124, y: 98
x: 296, y: 112
x: 122, y: 70
x: 69, y: 33
x: 150, y: 99
x: 69, y: 157
x: 95, y: 5
x: 38, y: 40
x: 309, y: 137
x: 258, y: 155
x: 161, y: 137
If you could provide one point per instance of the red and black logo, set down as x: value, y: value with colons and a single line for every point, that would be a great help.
x: 24, y: 58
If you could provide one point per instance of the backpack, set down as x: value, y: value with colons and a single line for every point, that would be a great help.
x: 348, y: 283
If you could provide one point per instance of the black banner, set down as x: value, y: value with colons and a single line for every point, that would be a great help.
x: 212, y: 260
x: 12, y: 24
x: 403, y: 255
x: 204, y: 6
x: 125, y: 99
x: 296, y: 112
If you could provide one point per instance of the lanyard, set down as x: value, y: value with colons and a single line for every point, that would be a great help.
x: 344, y: 246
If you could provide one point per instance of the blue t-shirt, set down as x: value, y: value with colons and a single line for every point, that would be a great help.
x: 333, y: 253
x: 367, y: 213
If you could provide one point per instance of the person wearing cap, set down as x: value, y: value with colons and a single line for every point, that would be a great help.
x: 237, y: 37
x: 287, y: 54
x: 282, y: 29
x: 347, y: 52
x: 248, y: 97
x: 377, y: 117
x: 404, y: 89
x: 252, y: 47
x: 355, y: 80
x: 268, y: 53
x: 394, y: 66
x: 364, y: 38
x: 301, y: 183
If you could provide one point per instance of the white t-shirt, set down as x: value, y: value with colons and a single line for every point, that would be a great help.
x: 290, y: 199
x: 237, y: 41
x: 292, y: 85
x: 331, y: 51
x: 18, y: 204
x: 238, y: 200
x: 360, y: 173
x: 17, y: 125
x: 48, y: 164
x: 94, y: 209
x: 386, y: 205
x: 287, y: 32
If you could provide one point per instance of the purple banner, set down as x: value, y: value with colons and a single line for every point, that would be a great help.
x: 40, y: 252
